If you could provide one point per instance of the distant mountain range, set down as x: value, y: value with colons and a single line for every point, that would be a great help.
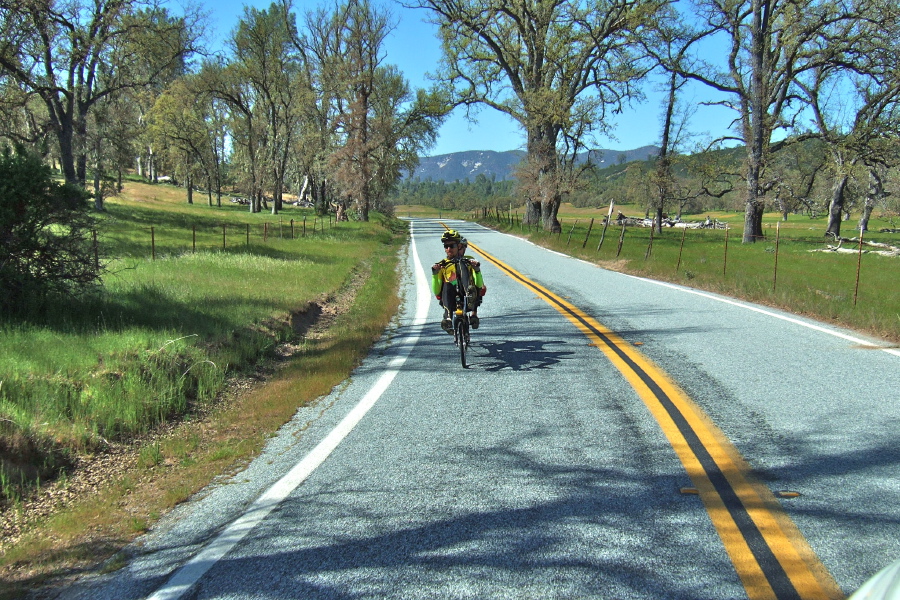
x: 459, y: 166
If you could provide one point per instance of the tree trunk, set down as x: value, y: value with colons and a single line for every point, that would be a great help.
x: 278, y: 192
x: 549, y: 210
x: 303, y: 189
x: 755, y: 130
x: 663, y: 166
x: 98, y: 190
x: 80, y: 152
x: 874, y: 194
x: 532, y: 213
x: 319, y: 193
x: 189, y: 184
x: 754, y: 207
x: 66, y: 153
x: 753, y: 222
x: 539, y: 177
x: 366, y: 159
x: 836, y: 209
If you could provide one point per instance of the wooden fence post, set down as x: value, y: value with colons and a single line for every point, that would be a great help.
x: 590, y: 226
x: 680, y: 249
x: 569, y: 239
x: 621, y: 241
x: 606, y: 224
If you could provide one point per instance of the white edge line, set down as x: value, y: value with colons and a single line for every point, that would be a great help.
x: 194, y: 569
x: 769, y: 313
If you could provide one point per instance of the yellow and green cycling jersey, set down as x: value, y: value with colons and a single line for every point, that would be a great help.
x: 445, y: 271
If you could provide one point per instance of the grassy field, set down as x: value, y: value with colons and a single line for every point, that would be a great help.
x: 192, y: 295
x: 784, y: 270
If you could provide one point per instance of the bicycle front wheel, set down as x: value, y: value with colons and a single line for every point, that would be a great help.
x: 462, y: 340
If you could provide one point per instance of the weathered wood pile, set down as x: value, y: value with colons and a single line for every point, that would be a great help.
x: 880, y: 248
x: 668, y: 222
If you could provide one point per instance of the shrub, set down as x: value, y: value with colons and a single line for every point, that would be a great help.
x: 46, y: 246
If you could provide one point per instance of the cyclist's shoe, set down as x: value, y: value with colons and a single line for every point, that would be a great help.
x: 474, y: 321
x: 446, y: 325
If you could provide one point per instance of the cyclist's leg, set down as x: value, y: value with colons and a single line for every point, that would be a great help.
x: 448, y: 301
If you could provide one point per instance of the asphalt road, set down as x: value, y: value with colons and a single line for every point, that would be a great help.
x: 539, y: 472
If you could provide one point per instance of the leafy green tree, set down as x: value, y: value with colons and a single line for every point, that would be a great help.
x: 73, y: 54
x: 247, y: 130
x: 23, y: 118
x: 360, y: 33
x: 857, y: 123
x: 367, y: 127
x: 46, y: 246
x: 771, y: 44
x: 184, y: 119
x: 268, y: 63
x: 558, y: 68
x: 318, y: 42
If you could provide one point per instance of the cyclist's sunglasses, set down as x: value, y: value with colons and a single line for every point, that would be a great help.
x: 449, y: 245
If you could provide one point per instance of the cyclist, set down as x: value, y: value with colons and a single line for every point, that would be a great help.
x: 444, y: 278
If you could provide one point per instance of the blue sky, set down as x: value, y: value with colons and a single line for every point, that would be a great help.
x: 415, y: 50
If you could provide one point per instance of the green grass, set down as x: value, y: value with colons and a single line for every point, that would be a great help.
x: 817, y: 284
x: 171, y: 468
x: 171, y: 322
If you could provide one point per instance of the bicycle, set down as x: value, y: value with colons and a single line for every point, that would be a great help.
x: 460, y: 316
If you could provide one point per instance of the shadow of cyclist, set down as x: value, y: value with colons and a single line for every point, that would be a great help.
x: 521, y: 355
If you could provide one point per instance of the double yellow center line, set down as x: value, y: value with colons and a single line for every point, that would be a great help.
x: 770, y: 555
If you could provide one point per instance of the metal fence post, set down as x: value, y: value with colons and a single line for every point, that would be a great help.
x: 680, y: 248
x: 725, y: 258
x: 777, y: 235
x: 858, y: 267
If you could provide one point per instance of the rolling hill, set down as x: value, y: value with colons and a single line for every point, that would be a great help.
x: 459, y: 166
